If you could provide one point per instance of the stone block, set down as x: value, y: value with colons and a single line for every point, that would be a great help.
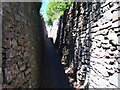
x: 11, y: 72
x: 108, y: 16
x: 105, y: 46
x: 118, y: 47
x: 20, y: 79
x: 8, y: 35
x: 99, y: 37
x: 23, y: 67
x: 113, y: 80
x: 21, y: 41
x: 14, y: 44
x: 115, y: 16
x: 27, y: 71
x: 116, y: 24
x: 6, y: 43
x: 119, y: 40
x: 10, y: 53
x: 104, y: 32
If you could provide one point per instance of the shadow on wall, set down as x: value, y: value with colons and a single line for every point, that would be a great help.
x: 23, y: 44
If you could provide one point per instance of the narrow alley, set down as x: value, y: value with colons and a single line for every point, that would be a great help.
x: 53, y: 75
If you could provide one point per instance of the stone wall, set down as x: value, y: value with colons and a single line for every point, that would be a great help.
x: 23, y: 44
x: 89, y: 40
x: 53, y: 31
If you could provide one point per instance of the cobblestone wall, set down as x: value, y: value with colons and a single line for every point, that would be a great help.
x: 88, y: 40
x: 23, y: 44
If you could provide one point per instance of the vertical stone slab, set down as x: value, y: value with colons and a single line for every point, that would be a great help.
x: 119, y: 50
x: 1, y: 45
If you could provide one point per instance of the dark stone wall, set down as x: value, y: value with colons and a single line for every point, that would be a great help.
x: 23, y: 44
x: 88, y: 41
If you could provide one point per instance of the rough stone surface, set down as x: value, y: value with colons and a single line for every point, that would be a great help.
x: 53, y: 31
x: 22, y: 41
x: 88, y: 37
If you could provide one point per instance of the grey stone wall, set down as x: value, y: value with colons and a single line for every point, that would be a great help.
x: 1, y: 46
x: 22, y: 44
x: 88, y: 41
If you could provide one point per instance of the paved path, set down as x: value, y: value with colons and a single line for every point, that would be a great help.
x: 53, y: 75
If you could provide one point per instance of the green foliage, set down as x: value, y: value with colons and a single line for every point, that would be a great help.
x: 54, y: 9
x: 41, y: 16
x: 49, y: 22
